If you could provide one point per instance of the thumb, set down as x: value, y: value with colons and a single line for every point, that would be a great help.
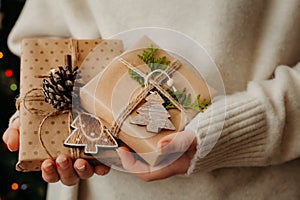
x: 176, y: 142
x: 126, y: 157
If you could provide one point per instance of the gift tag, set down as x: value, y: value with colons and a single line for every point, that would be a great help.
x: 90, y: 133
x: 153, y: 114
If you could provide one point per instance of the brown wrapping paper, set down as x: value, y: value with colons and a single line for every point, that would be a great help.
x: 110, y: 92
x: 39, y: 55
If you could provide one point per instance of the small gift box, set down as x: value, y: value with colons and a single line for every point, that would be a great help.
x: 144, y: 95
x: 43, y: 129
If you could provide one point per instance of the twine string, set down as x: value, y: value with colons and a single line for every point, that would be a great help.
x: 153, y: 83
x: 29, y: 97
x: 55, y: 113
x: 116, y: 126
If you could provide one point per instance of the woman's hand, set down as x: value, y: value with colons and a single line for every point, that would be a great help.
x: 11, y: 135
x: 179, y: 149
x: 60, y: 169
x: 67, y: 172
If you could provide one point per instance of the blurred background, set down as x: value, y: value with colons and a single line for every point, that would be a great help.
x: 13, y: 185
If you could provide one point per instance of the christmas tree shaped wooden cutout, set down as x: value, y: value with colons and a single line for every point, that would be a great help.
x: 90, y: 133
x: 153, y: 114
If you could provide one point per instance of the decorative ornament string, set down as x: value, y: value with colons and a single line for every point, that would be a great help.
x: 170, y: 81
x: 172, y: 67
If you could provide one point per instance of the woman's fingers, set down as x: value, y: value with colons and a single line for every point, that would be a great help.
x: 49, y: 172
x: 176, y: 142
x: 143, y: 170
x: 68, y: 173
x: 102, y: 170
x: 12, y: 139
x: 11, y: 136
x: 65, y: 170
x: 131, y: 164
x: 5, y: 136
x: 178, y: 149
x: 83, y: 169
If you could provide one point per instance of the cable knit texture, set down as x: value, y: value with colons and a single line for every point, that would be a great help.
x: 236, y: 138
x: 13, y: 117
x: 247, y: 129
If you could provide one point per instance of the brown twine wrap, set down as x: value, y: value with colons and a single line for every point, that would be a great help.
x: 36, y: 94
x: 171, y: 68
x: 116, y: 126
x: 74, y: 152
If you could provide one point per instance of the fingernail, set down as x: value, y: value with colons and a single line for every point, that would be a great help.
x: 81, y: 168
x: 9, y: 148
x: 106, y: 171
x: 48, y: 166
x: 120, y: 152
x: 162, y: 144
x: 62, y: 162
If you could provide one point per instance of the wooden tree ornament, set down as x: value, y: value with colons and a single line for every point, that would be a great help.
x: 90, y: 133
x: 153, y: 114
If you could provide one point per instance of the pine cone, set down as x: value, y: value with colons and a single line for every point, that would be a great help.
x: 61, y: 86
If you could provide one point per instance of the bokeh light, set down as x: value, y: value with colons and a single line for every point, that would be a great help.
x: 13, y: 87
x: 24, y: 186
x: 8, y: 73
x: 14, y: 186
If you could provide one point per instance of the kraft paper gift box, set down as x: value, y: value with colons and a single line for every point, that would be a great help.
x: 112, y: 91
x: 41, y: 139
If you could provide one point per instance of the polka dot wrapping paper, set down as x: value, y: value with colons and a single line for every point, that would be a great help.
x: 39, y: 56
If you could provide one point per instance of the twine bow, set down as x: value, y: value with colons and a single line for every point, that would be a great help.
x: 36, y: 94
x: 153, y: 83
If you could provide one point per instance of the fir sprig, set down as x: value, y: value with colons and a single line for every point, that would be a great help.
x: 152, y: 62
x: 148, y: 56
x: 185, y: 100
x: 136, y: 77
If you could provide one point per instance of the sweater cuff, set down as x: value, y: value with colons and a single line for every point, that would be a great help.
x: 13, y: 117
x: 230, y: 133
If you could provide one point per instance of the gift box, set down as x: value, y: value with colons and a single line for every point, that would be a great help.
x: 43, y: 130
x: 128, y: 97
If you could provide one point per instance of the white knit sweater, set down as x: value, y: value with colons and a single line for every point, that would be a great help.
x: 255, y: 45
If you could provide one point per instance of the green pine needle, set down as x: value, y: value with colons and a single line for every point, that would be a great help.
x: 185, y: 100
x: 136, y: 77
x: 148, y: 56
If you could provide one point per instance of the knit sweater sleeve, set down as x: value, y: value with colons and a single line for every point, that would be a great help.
x: 257, y: 127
